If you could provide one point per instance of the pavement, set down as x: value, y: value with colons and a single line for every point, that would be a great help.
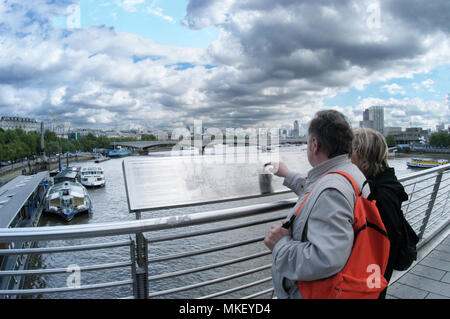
x: 428, y: 277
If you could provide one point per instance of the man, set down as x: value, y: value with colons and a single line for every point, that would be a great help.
x: 319, y: 241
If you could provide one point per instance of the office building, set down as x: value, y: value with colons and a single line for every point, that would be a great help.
x: 373, y: 117
x: 440, y: 127
x: 13, y: 122
x: 296, y: 131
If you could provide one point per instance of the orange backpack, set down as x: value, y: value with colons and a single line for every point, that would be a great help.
x: 362, y: 276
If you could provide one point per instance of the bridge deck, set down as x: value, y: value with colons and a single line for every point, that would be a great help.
x: 429, y: 277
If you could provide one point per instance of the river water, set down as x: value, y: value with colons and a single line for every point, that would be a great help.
x: 110, y: 205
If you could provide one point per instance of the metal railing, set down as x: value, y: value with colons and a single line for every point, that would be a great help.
x: 209, y: 254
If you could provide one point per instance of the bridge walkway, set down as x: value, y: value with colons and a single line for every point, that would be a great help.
x: 429, y: 276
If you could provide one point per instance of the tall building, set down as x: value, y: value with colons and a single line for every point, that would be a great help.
x: 296, y: 131
x: 373, y: 117
x: 440, y: 127
x: 13, y: 122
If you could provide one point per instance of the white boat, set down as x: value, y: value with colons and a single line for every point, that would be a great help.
x: 92, y: 176
x: 67, y: 197
x: 425, y: 163
x: 101, y: 158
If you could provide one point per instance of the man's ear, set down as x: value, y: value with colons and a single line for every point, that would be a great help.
x: 314, y: 145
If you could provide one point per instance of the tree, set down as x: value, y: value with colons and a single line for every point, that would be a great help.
x: 390, y: 140
x: 148, y: 137
x: 441, y: 139
x: 52, y: 147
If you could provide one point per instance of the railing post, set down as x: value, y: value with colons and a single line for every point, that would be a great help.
x: 437, y: 184
x: 410, y: 198
x: 133, y: 267
x: 140, y: 276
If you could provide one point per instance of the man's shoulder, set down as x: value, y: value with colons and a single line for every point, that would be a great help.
x: 334, y: 177
x: 340, y: 183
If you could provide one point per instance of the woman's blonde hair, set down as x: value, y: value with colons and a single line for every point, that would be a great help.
x: 371, y: 148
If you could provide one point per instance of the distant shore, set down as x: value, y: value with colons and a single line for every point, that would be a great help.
x: 421, y: 155
x: 7, y: 175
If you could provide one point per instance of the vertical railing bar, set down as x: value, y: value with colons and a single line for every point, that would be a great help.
x: 446, y: 201
x: 431, y: 203
x: 410, y: 199
x: 142, y: 266
x: 145, y: 267
x: 133, y: 266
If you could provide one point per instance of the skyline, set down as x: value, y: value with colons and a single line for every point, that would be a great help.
x: 164, y: 64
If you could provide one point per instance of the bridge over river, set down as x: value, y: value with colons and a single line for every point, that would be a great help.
x: 205, y: 142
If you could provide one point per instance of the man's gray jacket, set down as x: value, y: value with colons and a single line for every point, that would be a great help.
x: 322, y: 233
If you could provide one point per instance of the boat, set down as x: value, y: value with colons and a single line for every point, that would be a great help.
x: 92, y: 176
x: 67, y: 197
x: 425, y: 163
x: 20, y: 207
x: 101, y: 158
x: 119, y: 152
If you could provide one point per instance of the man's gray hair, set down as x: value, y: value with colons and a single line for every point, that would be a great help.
x: 332, y: 131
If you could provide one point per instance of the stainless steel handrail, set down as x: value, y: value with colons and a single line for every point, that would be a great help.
x: 64, y: 270
x: 65, y: 289
x: 141, y: 259
x: 64, y: 249
x: 209, y: 282
x: 138, y: 226
x: 206, y: 250
x: 211, y: 266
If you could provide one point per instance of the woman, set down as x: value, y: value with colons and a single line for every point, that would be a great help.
x: 369, y: 153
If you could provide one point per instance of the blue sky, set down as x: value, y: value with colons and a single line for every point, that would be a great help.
x: 152, y: 19
x: 428, y: 86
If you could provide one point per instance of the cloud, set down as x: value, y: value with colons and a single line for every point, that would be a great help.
x: 303, y: 51
x: 407, y: 112
x: 130, y: 5
x: 428, y: 84
x: 274, y: 61
x: 423, y: 16
x: 152, y: 9
x: 394, y: 89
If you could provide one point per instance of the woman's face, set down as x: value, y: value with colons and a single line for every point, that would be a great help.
x: 355, y: 159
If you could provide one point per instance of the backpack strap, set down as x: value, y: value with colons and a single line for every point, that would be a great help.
x: 291, y: 220
x: 355, y: 187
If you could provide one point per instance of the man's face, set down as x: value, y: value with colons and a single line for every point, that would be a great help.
x: 355, y: 159
x: 310, y: 150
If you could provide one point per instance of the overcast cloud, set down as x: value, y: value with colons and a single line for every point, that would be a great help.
x: 274, y: 62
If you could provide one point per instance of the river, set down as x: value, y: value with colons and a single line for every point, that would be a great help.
x: 110, y: 205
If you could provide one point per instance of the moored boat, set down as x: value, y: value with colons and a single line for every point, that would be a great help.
x: 100, y: 159
x: 67, y: 197
x: 92, y: 176
x: 425, y: 163
x: 119, y: 152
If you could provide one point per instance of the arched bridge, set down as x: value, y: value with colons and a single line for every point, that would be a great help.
x: 145, y: 145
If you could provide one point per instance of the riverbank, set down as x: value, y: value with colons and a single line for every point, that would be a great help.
x: 421, y: 155
x: 8, y: 173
